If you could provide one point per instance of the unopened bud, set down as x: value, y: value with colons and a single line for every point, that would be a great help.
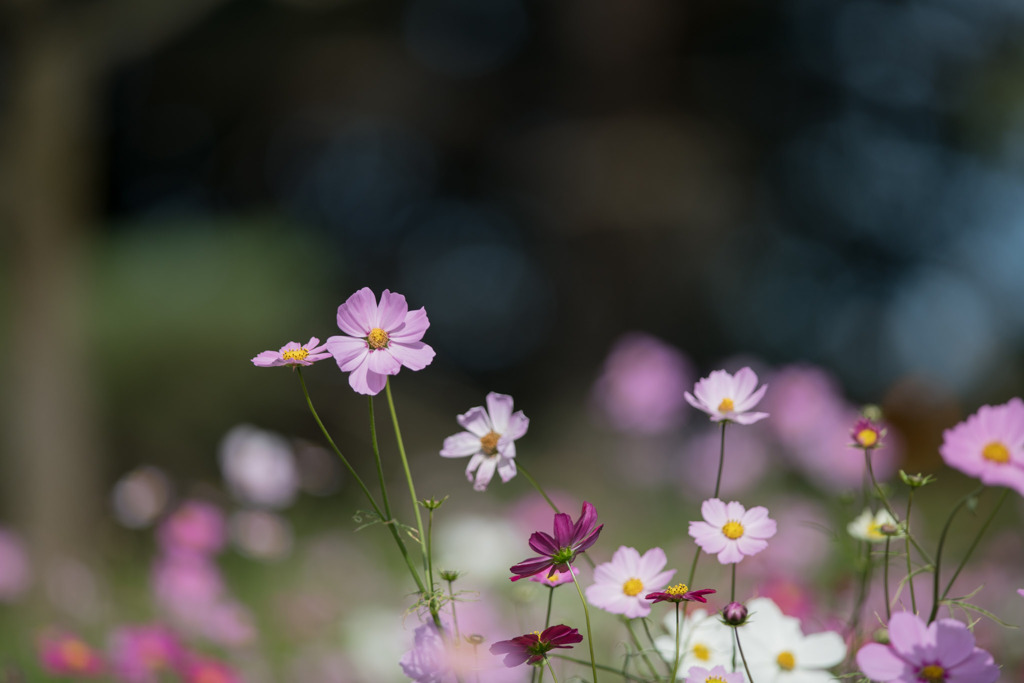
x: 735, y: 614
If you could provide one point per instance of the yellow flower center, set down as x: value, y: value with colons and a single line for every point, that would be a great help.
x: 677, y: 589
x: 732, y: 529
x: 996, y: 452
x: 553, y: 578
x: 726, y: 406
x: 933, y: 672
x: 489, y: 442
x: 377, y: 339
x: 786, y: 661
x: 875, y: 531
x: 295, y: 354
x: 633, y: 587
x: 76, y: 654
x: 867, y: 437
x: 714, y: 679
x: 701, y: 652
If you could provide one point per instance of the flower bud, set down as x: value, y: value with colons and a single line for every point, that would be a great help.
x: 449, y: 575
x: 881, y: 636
x: 735, y: 614
x: 916, y: 481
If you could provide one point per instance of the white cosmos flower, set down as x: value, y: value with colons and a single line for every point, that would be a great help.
x: 868, y: 526
x: 490, y: 437
x: 777, y: 650
x: 705, y: 641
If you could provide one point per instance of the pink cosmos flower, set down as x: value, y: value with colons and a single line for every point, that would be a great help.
x: 866, y: 434
x: 731, y: 531
x: 292, y: 353
x: 989, y: 445
x: 728, y: 397
x: 195, y: 527
x: 65, y: 654
x: 427, y: 661
x: 381, y: 339
x: 1020, y: 592
x: 620, y: 586
x: 556, y: 579
x: 698, y: 674
x: 490, y: 437
x: 918, y: 652
x: 139, y: 654
x: 202, y: 670
x: 15, y: 570
x: 557, y: 551
x: 532, y: 648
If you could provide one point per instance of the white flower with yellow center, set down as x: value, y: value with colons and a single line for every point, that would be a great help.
x: 620, y: 585
x: 705, y: 642
x: 778, y: 651
x: 874, y: 527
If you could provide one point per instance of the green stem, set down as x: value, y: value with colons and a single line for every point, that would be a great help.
x: 910, y: 571
x: 732, y: 592
x: 552, y: 667
x: 679, y: 637
x: 938, y: 551
x: 405, y: 466
x: 721, y: 461
x: 641, y: 650
x: 376, y: 457
x: 529, y: 478
x: 551, y: 599
x: 977, y: 539
x: 693, y: 567
x: 430, y: 557
x: 885, y: 502
x: 455, y: 619
x: 602, y: 667
x: 586, y: 616
x: 885, y: 580
x: 736, y: 638
x: 862, y: 593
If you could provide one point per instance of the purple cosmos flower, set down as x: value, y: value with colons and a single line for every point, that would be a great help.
x: 15, y: 570
x: 728, y: 397
x: 140, y: 653
x: 427, y: 661
x: 195, y: 527
x: 731, y: 531
x: 556, y: 579
x: 557, y: 551
x: 65, y: 654
x: 698, y: 674
x: 680, y: 593
x: 292, y: 353
x: 866, y: 434
x: 927, y: 653
x: 490, y: 437
x: 989, y: 445
x: 381, y: 339
x: 619, y: 585
x: 533, y: 647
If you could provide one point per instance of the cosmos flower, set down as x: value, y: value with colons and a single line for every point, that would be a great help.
x: 918, y: 652
x: 730, y: 531
x: 989, y: 445
x: 556, y: 579
x: 490, y: 437
x: 874, y: 527
x: 866, y: 434
x: 620, y: 585
x: 557, y: 551
x: 139, y: 654
x: 65, y: 654
x: 427, y: 660
x: 195, y: 527
x: 381, y: 339
x: 532, y: 648
x: 705, y: 641
x: 778, y: 651
x: 680, y: 593
x: 728, y: 397
x: 698, y: 674
x: 203, y: 670
x: 293, y: 353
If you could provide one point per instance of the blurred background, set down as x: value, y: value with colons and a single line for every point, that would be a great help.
x: 577, y: 193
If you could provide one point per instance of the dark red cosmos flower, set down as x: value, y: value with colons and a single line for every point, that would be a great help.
x: 679, y: 593
x: 556, y: 552
x: 533, y: 647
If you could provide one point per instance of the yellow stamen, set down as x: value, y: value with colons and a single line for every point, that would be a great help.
x: 76, y: 654
x: 701, y: 652
x: 489, y: 443
x: 732, y: 529
x: 677, y: 589
x: 996, y: 452
x: 933, y: 672
x: 726, y: 406
x: 632, y: 587
x: 786, y: 661
x: 295, y: 354
x: 867, y: 437
x: 875, y: 531
x: 377, y: 339
x: 714, y: 679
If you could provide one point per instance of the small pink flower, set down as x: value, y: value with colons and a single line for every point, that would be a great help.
x: 698, y: 674
x: 65, y: 654
x: 556, y: 579
x: 941, y: 651
x: 728, y: 397
x: 490, y: 437
x: 731, y: 531
x: 381, y: 339
x: 195, y: 527
x: 989, y: 445
x: 621, y: 586
x: 15, y: 570
x: 202, y: 670
x: 866, y: 434
x: 140, y: 653
x: 292, y: 353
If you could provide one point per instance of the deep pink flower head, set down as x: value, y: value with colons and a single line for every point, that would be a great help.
x: 140, y: 654
x: 292, y: 353
x: 621, y: 586
x: 195, y: 527
x: 381, y: 339
x: 65, y: 654
x: 731, y: 531
x: 557, y: 551
x: 942, y: 651
x: 680, y: 593
x: 490, y: 437
x: 735, y: 614
x: 728, y: 397
x: 556, y: 579
x: 203, y: 670
x: 989, y: 445
x: 532, y: 648
x: 698, y: 674
x: 866, y: 434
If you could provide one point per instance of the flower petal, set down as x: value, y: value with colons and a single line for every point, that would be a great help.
x: 476, y: 421
x: 879, y: 663
x: 460, y: 445
x: 392, y: 310
x: 413, y: 355
x: 383, y: 363
x: 358, y: 315
x: 412, y: 329
x: 499, y: 407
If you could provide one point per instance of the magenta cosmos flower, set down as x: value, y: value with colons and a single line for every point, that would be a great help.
x: 533, y: 647
x: 866, y: 434
x: 65, y: 654
x: 620, y: 586
x: 989, y: 445
x: 731, y: 531
x: 381, y: 339
x: 139, y: 654
x: 728, y: 397
x: 698, y: 674
x: 680, y: 593
x: 293, y: 353
x: 927, y: 653
x: 490, y: 437
x: 557, y: 551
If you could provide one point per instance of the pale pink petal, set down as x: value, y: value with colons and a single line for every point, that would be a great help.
x: 267, y: 359
x: 709, y: 538
x: 748, y: 418
x: 730, y: 554
x: 506, y: 469
x: 358, y: 315
x: 412, y: 329
x: 499, y: 407
x: 460, y: 445
x: 752, y: 400
x: 414, y: 355
x: 392, y: 310
x: 484, y: 474
x: 906, y: 634
x: 362, y: 381
x: 473, y: 463
x: 879, y: 663
x: 659, y: 581
x: 383, y: 363
x: 506, y: 447
x: 517, y: 425
x: 977, y: 668
x: 694, y: 402
x: 476, y: 421
x: 748, y: 545
x: 375, y: 382
x: 652, y: 561
x: 734, y: 511
x: 954, y: 641
x: 714, y: 512
x: 744, y: 383
x: 349, y: 352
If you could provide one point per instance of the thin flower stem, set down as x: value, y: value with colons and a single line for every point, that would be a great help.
x: 938, y: 551
x: 540, y: 677
x: 732, y: 592
x: 586, y: 615
x: 455, y: 619
x: 430, y: 556
x: 721, y: 460
x: 974, y: 543
x: 679, y: 637
x: 552, y: 667
x: 885, y: 502
x: 862, y: 591
x: 885, y: 580
x: 551, y: 599
x: 602, y: 667
x: 533, y: 481
x: 693, y: 567
x: 376, y: 457
x: 640, y: 649
x: 910, y: 579
x: 405, y: 466
x: 736, y: 638
x: 533, y: 674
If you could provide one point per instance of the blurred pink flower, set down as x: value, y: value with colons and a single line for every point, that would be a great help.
x: 381, y: 339
x: 15, y: 571
x: 195, y: 527
x: 490, y: 437
x: 65, y: 654
x: 745, y: 452
x: 181, y: 581
x: 621, y: 586
x: 293, y: 354
x: 205, y: 670
x: 427, y: 661
x: 731, y: 531
x: 140, y: 654
x: 556, y: 579
x: 718, y: 674
x: 259, y: 467
x: 802, y: 396
x: 641, y: 387
x: 727, y: 397
x: 989, y: 445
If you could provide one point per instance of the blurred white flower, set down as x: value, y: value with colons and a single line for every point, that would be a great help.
x: 261, y: 535
x: 140, y: 497
x: 259, y: 467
